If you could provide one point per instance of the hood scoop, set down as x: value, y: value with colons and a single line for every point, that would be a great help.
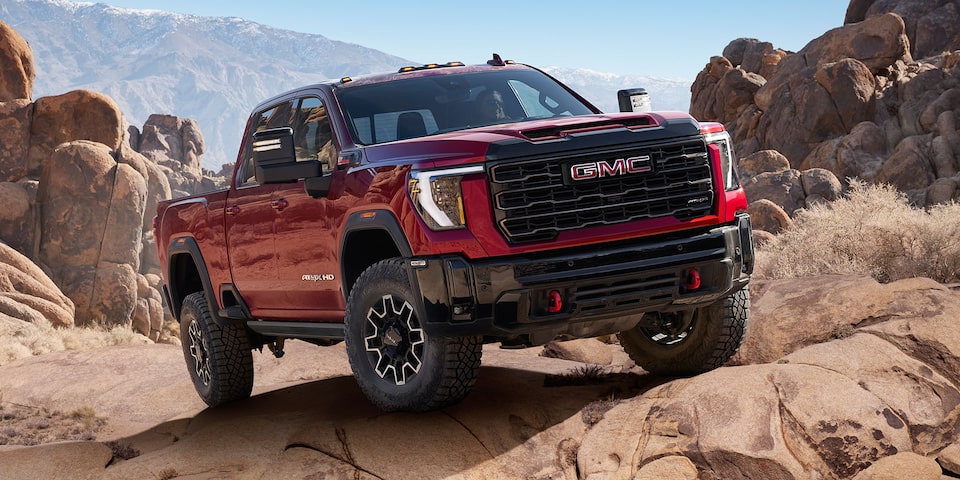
x: 554, y: 132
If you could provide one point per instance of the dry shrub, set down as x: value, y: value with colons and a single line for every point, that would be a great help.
x: 121, y: 450
x: 28, y: 425
x: 590, y: 374
x: 873, y: 231
x: 20, y: 339
x: 90, y: 338
x: 168, y: 473
x: 594, y: 411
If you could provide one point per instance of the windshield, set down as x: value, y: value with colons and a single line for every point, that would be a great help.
x: 421, y: 106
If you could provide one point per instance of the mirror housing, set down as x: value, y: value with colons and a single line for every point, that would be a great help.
x: 275, y: 159
x: 317, y: 187
x: 634, y: 100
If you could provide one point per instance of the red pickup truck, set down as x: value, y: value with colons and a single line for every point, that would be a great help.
x: 420, y: 214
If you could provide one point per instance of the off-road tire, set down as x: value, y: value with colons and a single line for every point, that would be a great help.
x: 399, y: 367
x: 714, y: 336
x: 218, y: 358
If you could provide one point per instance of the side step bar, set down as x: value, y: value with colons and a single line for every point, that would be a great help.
x: 332, y: 331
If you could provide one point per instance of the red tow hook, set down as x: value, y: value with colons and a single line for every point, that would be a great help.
x: 693, y: 279
x: 555, y: 302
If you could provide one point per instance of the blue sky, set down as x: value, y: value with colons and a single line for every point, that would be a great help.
x: 662, y: 38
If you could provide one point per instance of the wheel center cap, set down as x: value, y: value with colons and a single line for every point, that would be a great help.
x: 392, y: 337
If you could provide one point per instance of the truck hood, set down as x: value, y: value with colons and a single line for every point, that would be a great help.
x: 513, y: 139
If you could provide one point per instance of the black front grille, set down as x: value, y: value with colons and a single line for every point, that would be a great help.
x: 533, y: 201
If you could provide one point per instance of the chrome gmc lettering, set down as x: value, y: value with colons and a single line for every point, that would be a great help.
x: 603, y: 168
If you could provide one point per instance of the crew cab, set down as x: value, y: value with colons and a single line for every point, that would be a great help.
x: 420, y: 214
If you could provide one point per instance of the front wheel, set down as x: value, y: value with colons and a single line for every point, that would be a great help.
x: 689, y: 342
x: 397, y: 365
x: 218, y: 357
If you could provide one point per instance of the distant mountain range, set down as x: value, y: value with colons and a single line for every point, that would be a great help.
x: 215, y: 69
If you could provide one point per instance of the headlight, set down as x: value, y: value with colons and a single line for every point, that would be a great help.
x: 721, y: 139
x: 437, y: 197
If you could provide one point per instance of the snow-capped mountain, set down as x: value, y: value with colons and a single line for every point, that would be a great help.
x: 601, y: 88
x: 215, y: 69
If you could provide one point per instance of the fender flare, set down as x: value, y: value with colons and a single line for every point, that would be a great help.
x: 382, y: 220
x: 188, y: 245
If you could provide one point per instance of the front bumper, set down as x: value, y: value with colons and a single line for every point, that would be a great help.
x: 602, y: 289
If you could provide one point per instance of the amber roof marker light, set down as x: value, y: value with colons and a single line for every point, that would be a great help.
x: 429, y: 66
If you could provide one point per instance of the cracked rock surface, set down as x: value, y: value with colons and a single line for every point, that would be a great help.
x: 856, y: 380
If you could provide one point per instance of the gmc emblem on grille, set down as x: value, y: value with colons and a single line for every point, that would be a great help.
x: 614, y: 168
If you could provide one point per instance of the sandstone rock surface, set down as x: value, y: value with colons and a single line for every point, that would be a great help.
x: 862, y: 101
x: 17, y: 70
x: 877, y: 397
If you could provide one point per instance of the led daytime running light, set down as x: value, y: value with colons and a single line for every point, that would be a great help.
x: 430, y: 186
x: 731, y: 181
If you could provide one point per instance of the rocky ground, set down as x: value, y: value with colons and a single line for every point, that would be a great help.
x: 840, y: 377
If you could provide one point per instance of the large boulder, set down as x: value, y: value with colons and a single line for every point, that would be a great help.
x: 858, y: 154
x: 876, y: 389
x: 754, y: 56
x: 852, y: 101
x: 932, y: 27
x: 789, y: 314
x: 76, y: 115
x: 783, y: 188
x: 175, y: 145
x: 15, y: 118
x: 768, y: 217
x: 819, y: 186
x: 703, y: 92
x: 173, y: 141
x: 908, y: 167
x: 802, y: 108
x: 19, y: 215
x: 874, y: 401
x: 764, y: 161
x: 91, y: 230
x: 17, y: 71
x: 877, y: 42
x: 28, y: 294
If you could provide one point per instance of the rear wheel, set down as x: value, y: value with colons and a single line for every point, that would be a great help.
x: 689, y: 342
x: 218, y: 357
x: 397, y: 365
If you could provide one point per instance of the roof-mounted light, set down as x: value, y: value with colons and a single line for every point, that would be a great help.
x: 429, y: 66
x: 346, y: 80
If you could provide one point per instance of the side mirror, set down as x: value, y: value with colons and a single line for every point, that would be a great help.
x: 275, y: 159
x: 634, y: 100
x: 317, y: 187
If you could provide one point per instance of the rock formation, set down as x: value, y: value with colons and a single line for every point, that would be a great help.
x: 860, y: 381
x: 877, y: 99
x: 80, y: 188
x: 28, y: 294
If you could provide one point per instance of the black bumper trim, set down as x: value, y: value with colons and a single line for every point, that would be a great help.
x: 603, y: 287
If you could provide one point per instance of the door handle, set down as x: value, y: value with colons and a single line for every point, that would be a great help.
x: 232, y: 210
x: 279, y: 205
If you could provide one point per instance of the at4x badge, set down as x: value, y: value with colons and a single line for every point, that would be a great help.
x: 608, y: 168
x: 325, y: 277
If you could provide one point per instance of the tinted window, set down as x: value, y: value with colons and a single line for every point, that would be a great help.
x: 313, y: 139
x: 312, y: 136
x: 277, y: 116
x: 421, y: 106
